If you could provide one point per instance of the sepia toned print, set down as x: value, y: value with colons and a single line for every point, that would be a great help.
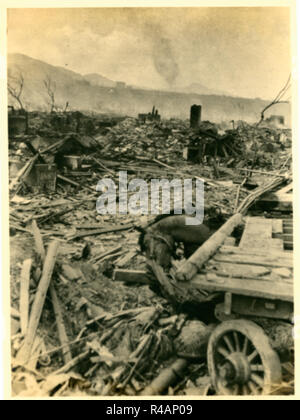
x: 151, y: 202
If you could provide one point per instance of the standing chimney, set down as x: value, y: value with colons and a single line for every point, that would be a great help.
x: 195, y: 117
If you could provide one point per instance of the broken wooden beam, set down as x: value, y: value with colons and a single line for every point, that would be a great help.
x: 39, y: 245
x: 126, y: 258
x: 71, y: 363
x: 257, y: 193
x: 238, y: 194
x: 63, y: 338
x: 23, y: 174
x: 258, y: 288
x: 166, y: 378
x: 261, y: 172
x: 106, y: 253
x: 75, y: 184
x: 53, y: 146
x: 38, y: 304
x: 166, y: 286
x: 24, y: 295
x: 101, y: 231
x: 190, y: 267
x: 131, y: 276
x: 102, y: 165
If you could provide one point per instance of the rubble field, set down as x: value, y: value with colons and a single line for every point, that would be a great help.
x: 84, y: 321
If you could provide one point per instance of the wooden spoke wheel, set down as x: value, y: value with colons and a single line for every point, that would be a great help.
x: 241, y: 360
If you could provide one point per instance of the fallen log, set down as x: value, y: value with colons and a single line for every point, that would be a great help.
x: 190, y: 268
x: 38, y: 304
x: 166, y: 378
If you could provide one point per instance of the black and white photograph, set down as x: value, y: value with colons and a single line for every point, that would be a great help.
x: 150, y: 227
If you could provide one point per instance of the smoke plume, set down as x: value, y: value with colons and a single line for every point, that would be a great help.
x: 162, y: 53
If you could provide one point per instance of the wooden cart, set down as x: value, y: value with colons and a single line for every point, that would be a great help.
x: 257, y: 280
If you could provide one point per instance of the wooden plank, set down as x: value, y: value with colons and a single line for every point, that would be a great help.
x: 241, y: 271
x: 256, y: 227
x: 24, y: 294
x: 117, y: 228
x: 66, y: 352
x: 258, y: 234
x: 262, y: 244
x: 260, y: 172
x: 230, y: 241
x: 126, y: 258
x: 106, y: 253
x: 131, y: 276
x: 255, y: 288
x: 276, y: 243
x: 38, y: 304
x: 289, y: 245
x: 264, y: 261
x: 286, y: 237
x: 277, y: 226
x: 268, y: 253
x: 285, y: 189
x: 288, y: 222
x: 261, y: 307
x: 63, y: 338
x: 270, y: 274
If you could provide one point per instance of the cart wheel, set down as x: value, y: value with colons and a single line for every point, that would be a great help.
x: 241, y: 360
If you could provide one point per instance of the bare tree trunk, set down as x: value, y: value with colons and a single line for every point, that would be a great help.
x: 277, y: 100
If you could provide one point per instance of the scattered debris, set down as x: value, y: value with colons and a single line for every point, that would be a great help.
x: 93, y: 315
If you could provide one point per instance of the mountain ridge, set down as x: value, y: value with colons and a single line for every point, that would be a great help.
x: 84, y: 95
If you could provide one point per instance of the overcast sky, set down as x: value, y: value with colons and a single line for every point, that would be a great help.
x: 242, y: 51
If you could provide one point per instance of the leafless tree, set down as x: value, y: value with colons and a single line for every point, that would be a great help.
x: 15, y: 87
x: 277, y: 100
x: 66, y: 106
x: 50, y: 86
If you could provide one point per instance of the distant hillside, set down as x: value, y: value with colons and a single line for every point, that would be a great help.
x: 98, y: 80
x: 201, y: 90
x: 83, y: 94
